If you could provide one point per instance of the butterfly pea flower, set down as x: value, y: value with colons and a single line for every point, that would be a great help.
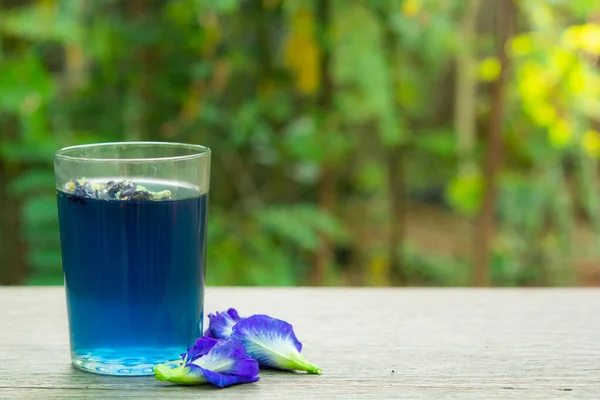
x: 112, y: 190
x: 220, y: 362
x: 221, y: 324
x: 84, y: 190
x: 272, y: 343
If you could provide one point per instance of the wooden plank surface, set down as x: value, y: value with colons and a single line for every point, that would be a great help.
x: 371, y: 343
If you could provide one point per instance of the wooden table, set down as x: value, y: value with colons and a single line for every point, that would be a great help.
x: 371, y: 343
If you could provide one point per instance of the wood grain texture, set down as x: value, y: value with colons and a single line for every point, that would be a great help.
x: 371, y: 343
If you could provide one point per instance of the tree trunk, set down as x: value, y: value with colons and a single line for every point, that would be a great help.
x: 466, y: 90
x: 398, y: 204
x: 13, y: 252
x: 396, y: 160
x: 485, y: 222
x: 145, y: 60
x: 13, y: 269
x: 327, y: 186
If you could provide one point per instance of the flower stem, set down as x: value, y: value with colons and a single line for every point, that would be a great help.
x: 163, y: 372
x: 302, y: 364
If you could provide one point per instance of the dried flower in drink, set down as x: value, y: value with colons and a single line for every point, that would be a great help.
x: 122, y: 190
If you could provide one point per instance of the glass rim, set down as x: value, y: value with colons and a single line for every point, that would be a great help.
x: 200, y: 152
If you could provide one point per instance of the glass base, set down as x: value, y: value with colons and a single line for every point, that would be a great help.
x: 111, y: 362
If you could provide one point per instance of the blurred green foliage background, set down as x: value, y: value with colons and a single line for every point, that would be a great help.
x: 355, y: 142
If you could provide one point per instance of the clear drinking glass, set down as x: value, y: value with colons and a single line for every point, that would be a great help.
x: 133, y: 237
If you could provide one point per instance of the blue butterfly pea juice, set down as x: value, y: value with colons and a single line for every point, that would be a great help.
x: 134, y: 266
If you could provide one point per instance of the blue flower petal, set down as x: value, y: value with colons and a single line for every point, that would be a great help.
x: 227, y: 364
x: 220, y: 362
x: 221, y: 323
x: 272, y: 343
x: 200, y: 348
x: 222, y: 380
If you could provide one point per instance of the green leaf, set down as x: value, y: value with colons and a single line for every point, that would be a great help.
x: 25, y: 151
x: 427, y: 269
x: 301, y: 140
x: 221, y: 6
x: 41, y: 23
x: 363, y: 67
x: 440, y: 143
x: 40, y: 211
x: 300, y: 224
x: 45, y: 260
x: 46, y: 236
x: 25, y: 85
x: 33, y: 181
x: 45, y: 279
x: 465, y: 193
x: 371, y: 177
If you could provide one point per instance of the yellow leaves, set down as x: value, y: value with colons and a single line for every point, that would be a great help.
x: 378, y: 270
x: 302, y: 53
x: 591, y: 90
x: 571, y: 36
x: 533, y: 81
x: 559, y: 133
x: 562, y: 61
x: 591, y: 143
x: 584, y: 37
x: 555, y: 87
x: 490, y: 69
x: 411, y: 8
x: 590, y: 107
x: 542, y: 15
x: 557, y: 79
x: 521, y: 45
x: 543, y: 114
x: 576, y: 82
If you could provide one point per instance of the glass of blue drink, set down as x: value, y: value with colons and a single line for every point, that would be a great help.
x: 133, y: 237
